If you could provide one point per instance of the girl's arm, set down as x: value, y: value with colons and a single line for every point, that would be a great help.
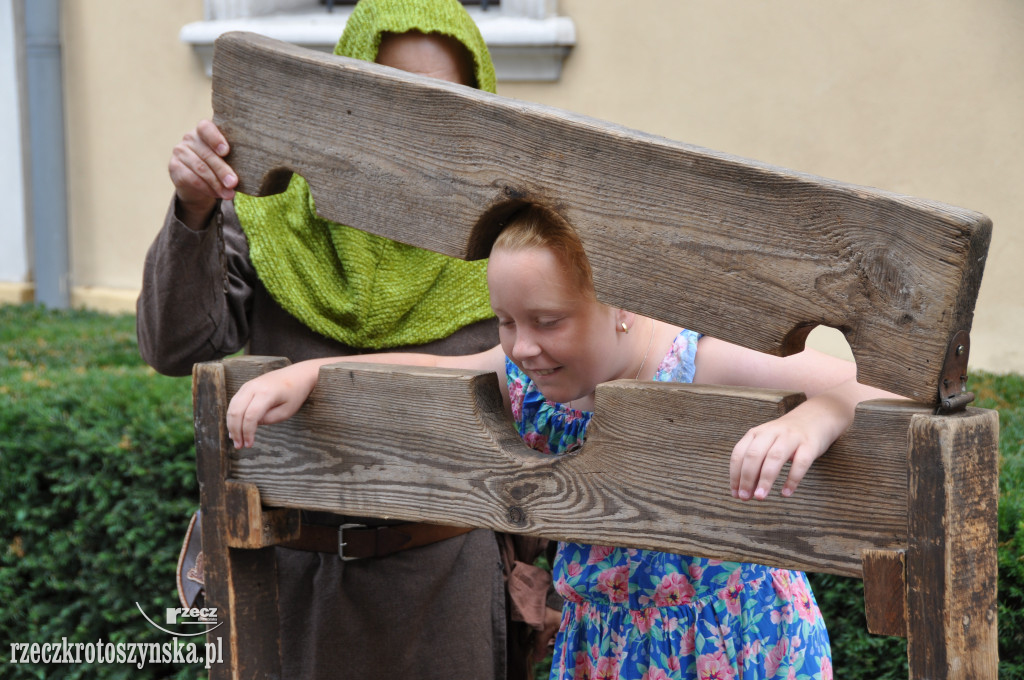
x: 276, y: 396
x: 800, y: 436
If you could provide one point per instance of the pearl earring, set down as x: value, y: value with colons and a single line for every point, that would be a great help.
x: 623, y: 327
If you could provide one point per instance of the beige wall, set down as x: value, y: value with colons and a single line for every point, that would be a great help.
x: 132, y: 90
x: 922, y: 98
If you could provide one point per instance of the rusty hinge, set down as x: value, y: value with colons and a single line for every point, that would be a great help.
x: 953, y: 394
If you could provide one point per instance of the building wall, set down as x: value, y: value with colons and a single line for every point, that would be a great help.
x: 132, y: 90
x: 916, y: 97
x: 14, y: 247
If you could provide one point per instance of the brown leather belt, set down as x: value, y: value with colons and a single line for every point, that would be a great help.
x: 358, y: 541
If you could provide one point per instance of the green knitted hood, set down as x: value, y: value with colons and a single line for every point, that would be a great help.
x: 371, y: 18
x: 363, y: 290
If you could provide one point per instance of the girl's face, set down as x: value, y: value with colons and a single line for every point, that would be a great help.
x: 560, y: 336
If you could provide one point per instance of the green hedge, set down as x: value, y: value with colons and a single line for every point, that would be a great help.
x: 98, y: 482
x: 1006, y: 393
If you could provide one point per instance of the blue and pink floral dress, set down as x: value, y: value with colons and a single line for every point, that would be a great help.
x: 648, y: 615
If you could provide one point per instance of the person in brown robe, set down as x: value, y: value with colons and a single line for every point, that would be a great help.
x: 435, y: 611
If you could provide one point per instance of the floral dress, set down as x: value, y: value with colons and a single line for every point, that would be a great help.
x: 648, y: 615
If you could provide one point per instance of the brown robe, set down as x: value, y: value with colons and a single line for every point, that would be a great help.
x: 431, y: 612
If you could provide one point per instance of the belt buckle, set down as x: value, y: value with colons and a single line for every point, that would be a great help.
x: 341, y: 541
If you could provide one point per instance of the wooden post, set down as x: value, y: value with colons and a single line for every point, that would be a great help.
x: 952, y: 567
x: 241, y: 584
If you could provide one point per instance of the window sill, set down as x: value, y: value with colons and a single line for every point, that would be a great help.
x: 523, y: 49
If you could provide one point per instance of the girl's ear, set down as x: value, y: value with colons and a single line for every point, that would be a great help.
x: 624, y: 320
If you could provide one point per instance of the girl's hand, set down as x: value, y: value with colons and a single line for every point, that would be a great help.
x: 268, y: 399
x: 799, y: 437
x: 276, y: 396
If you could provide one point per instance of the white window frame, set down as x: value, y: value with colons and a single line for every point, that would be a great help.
x: 528, y: 40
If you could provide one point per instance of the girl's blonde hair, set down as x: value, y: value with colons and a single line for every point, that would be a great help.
x: 536, y: 226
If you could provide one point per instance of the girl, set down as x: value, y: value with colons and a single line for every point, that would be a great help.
x: 632, y: 613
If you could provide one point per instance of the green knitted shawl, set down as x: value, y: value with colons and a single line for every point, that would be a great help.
x: 363, y: 290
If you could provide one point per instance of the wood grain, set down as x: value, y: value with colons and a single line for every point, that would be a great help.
x: 372, y: 441
x: 952, y: 564
x: 695, y: 237
x: 241, y: 584
x: 885, y: 592
x: 250, y: 525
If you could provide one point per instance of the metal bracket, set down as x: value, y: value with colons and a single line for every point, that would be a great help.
x: 953, y: 394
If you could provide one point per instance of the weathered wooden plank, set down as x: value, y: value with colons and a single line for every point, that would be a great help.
x: 885, y: 592
x: 241, y: 584
x: 373, y: 441
x: 250, y: 525
x: 952, y: 566
x: 680, y: 233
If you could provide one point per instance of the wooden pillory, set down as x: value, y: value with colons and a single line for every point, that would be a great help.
x: 743, y: 251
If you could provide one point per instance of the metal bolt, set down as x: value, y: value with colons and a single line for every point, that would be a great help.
x: 960, y: 349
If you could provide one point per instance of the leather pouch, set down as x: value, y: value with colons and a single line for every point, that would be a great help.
x: 190, y: 564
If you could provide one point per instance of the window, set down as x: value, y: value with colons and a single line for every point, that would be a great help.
x: 484, y: 4
x: 528, y: 40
